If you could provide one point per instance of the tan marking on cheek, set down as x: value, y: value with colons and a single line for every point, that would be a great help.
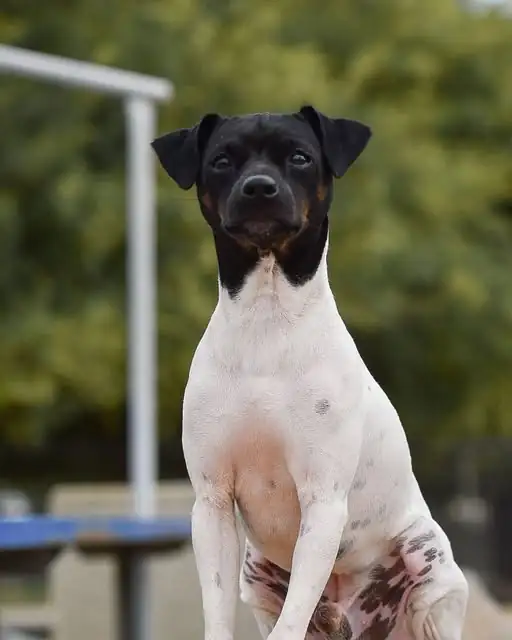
x: 206, y: 200
x: 283, y: 246
x: 321, y: 192
x: 305, y: 210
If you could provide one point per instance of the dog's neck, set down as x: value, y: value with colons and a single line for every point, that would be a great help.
x: 284, y: 282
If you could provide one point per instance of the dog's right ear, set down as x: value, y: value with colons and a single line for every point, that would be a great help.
x: 179, y: 152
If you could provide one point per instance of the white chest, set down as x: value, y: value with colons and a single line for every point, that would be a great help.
x: 273, y: 375
x: 276, y: 381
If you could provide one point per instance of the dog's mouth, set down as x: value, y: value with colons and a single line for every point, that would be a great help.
x: 263, y: 234
x: 261, y: 211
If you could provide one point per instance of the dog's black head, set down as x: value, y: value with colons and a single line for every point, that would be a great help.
x: 263, y: 179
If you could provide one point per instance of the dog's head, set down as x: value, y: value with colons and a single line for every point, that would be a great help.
x: 263, y: 178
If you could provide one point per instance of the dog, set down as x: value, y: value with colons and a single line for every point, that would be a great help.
x: 283, y: 423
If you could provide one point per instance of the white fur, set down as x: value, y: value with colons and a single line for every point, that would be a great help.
x: 282, y: 416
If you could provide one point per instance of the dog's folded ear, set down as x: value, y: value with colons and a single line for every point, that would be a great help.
x: 179, y: 152
x: 342, y: 140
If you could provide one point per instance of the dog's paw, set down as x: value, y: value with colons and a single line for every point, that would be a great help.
x: 443, y: 620
x: 331, y: 622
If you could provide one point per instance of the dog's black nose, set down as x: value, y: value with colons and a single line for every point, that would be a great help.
x: 259, y: 186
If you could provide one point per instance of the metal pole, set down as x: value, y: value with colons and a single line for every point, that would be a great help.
x: 142, y: 433
x: 141, y: 309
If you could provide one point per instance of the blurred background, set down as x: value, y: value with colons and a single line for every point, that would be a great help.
x: 420, y: 249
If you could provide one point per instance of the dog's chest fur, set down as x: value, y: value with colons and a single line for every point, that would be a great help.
x: 275, y: 371
x: 265, y: 491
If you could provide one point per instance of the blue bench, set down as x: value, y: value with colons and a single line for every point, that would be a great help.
x: 30, y: 544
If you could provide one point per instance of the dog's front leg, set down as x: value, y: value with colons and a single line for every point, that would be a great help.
x: 324, y: 509
x: 216, y: 549
x: 313, y: 561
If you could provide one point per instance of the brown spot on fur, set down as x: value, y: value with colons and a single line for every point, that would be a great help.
x: 430, y: 554
x: 384, y: 590
x: 380, y: 627
x: 278, y: 588
x: 419, y: 542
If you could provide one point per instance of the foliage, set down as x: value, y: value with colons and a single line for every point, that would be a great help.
x: 420, y: 254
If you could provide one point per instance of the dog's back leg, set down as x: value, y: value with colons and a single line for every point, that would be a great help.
x: 265, y: 622
x: 263, y: 586
x: 437, y: 603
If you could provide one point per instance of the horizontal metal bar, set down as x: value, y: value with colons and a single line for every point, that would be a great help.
x: 83, y: 74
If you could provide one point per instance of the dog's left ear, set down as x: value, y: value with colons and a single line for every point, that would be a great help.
x: 179, y: 152
x: 342, y: 140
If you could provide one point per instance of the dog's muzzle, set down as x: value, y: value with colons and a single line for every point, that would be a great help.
x: 261, y: 211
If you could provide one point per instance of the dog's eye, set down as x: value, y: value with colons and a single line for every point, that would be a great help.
x: 221, y: 162
x: 300, y: 159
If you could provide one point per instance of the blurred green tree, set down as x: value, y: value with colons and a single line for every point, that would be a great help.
x: 420, y: 255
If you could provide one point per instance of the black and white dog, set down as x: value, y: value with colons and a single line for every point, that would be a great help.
x: 281, y: 416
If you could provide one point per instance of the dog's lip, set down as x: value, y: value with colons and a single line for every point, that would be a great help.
x: 263, y: 234
x: 261, y: 228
